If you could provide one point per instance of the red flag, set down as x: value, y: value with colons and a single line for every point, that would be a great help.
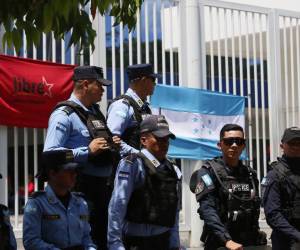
x: 29, y: 90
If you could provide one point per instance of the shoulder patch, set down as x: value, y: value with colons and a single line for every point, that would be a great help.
x: 200, y: 187
x: 207, y: 180
x: 123, y: 175
x: 265, y: 181
x: 36, y: 194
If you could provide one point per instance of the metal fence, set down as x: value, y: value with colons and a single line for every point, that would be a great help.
x: 245, y: 50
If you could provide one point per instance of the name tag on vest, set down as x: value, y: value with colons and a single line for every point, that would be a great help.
x: 239, y: 187
x: 98, y: 124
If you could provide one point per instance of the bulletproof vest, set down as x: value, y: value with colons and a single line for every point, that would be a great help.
x: 155, y: 202
x: 291, y: 201
x: 132, y: 135
x: 239, y: 204
x: 4, y: 229
x: 96, y: 126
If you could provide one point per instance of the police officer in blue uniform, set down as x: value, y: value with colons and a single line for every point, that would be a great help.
x: 143, y: 211
x: 281, y: 188
x: 7, y: 237
x: 227, y: 192
x: 56, y: 218
x: 126, y: 111
x: 79, y: 125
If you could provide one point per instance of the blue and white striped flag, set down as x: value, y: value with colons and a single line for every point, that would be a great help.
x: 196, y: 117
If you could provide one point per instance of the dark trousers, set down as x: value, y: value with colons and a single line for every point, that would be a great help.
x: 97, y: 194
x: 157, y: 242
x: 280, y: 241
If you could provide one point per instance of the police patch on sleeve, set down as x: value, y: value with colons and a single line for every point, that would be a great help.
x: 200, y: 187
x: 123, y: 175
x: 265, y: 181
x: 30, y: 208
x: 207, y: 180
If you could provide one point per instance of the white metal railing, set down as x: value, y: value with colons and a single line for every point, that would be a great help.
x: 245, y: 50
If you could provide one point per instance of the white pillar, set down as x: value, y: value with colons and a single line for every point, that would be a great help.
x: 99, y: 54
x: 192, y: 64
x: 3, y: 166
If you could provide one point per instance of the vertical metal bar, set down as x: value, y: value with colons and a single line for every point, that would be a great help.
x: 211, y: 45
x: 262, y: 27
x: 292, y: 68
x: 162, y: 42
x: 113, y: 51
x: 121, y: 58
x: 240, y: 54
x: 44, y: 47
x: 63, y: 51
x: 146, y: 30
x: 233, y: 53
x: 226, y: 51
x: 26, y: 164
x: 249, y: 89
x: 219, y: 50
x: 257, y: 123
x: 130, y: 48
x: 171, y: 47
x: 298, y: 63
x: 138, y: 31
x: 16, y: 177
x: 24, y: 45
x: 35, y: 157
x: 155, y: 37
x: 286, y: 80
x: 53, y: 42
x: 4, y: 165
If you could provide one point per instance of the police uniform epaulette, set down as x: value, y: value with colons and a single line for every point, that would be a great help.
x: 36, y: 194
x: 68, y: 110
x: 131, y: 158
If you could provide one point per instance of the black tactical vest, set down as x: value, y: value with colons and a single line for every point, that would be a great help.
x: 156, y: 201
x: 4, y: 230
x: 96, y: 126
x: 240, y: 204
x: 291, y: 200
x: 132, y: 135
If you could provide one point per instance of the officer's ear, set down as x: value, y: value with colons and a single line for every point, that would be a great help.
x: 143, y: 139
x: 219, y: 145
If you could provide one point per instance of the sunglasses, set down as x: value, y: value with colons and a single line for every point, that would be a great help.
x: 231, y: 140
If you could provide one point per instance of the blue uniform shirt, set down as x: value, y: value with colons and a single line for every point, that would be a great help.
x: 48, y: 224
x: 120, y: 116
x: 274, y: 193
x: 69, y: 132
x: 12, y: 239
x: 128, y: 177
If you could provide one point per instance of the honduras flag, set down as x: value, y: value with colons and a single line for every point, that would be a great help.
x: 196, y: 117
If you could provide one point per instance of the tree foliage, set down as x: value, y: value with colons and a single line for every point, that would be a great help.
x: 34, y: 17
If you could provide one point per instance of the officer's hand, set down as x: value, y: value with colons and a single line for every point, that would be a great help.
x: 117, y: 141
x: 231, y: 245
x: 97, y: 146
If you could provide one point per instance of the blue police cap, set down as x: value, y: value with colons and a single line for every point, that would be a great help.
x: 137, y: 71
x: 59, y: 159
x: 90, y: 72
x: 157, y: 125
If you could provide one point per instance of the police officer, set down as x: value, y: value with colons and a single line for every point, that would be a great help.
x: 281, y: 198
x: 126, y: 111
x: 227, y: 192
x: 7, y: 237
x: 56, y: 218
x: 143, y: 211
x: 78, y: 124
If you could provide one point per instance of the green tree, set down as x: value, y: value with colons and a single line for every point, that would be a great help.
x: 35, y: 17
